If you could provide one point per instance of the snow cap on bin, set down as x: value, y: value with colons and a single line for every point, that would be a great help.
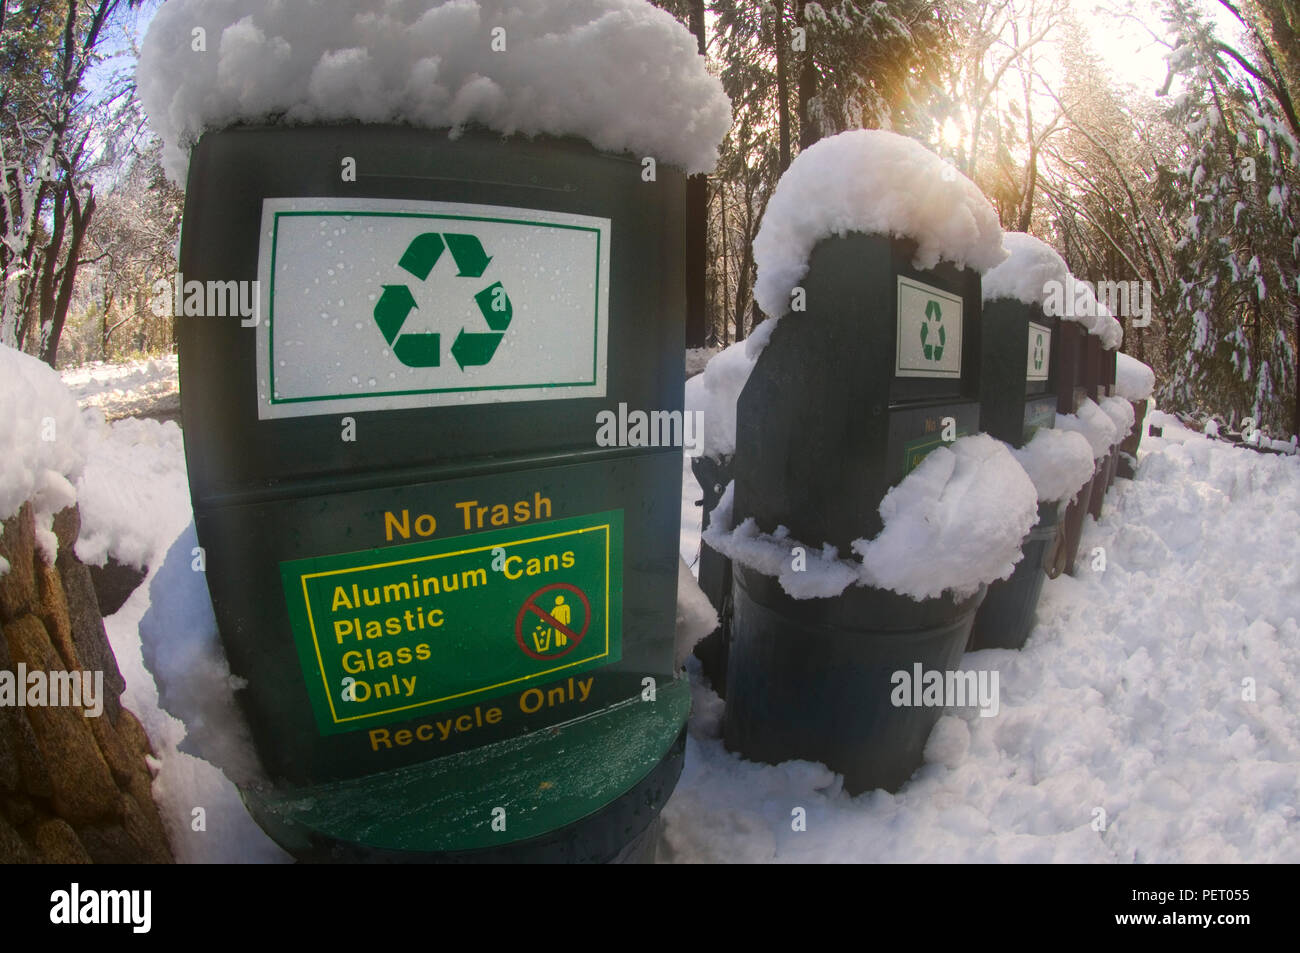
x: 621, y: 74
x: 1133, y: 379
x: 1027, y: 273
x: 875, y: 182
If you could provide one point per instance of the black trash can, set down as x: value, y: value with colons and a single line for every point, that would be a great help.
x: 1018, y: 397
x: 835, y: 413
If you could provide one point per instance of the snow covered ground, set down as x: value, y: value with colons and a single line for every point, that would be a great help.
x: 1159, y: 689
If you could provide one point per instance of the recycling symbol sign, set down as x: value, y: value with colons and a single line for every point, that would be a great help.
x: 471, y: 348
x: 932, y: 342
x: 1040, y: 344
x: 375, y: 304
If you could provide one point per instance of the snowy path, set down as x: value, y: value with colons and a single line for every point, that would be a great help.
x: 1128, y: 699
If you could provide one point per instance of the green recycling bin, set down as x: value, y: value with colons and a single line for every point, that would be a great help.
x: 1017, y: 397
x: 1071, y: 390
x: 452, y: 607
x: 844, y: 401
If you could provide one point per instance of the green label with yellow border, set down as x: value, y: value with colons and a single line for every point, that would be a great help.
x: 389, y: 634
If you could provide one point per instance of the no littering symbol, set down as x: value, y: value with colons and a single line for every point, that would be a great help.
x: 545, y: 627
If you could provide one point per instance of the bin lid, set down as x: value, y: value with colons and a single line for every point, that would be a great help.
x: 544, y: 780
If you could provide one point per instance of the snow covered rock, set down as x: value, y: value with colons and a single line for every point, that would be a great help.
x: 43, y: 446
x: 875, y: 182
x: 621, y: 74
x: 1133, y: 379
x: 1058, y: 462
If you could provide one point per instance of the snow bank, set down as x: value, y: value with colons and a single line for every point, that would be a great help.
x: 955, y: 523
x: 619, y: 73
x: 1127, y: 699
x: 1029, y: 266
x: 1058, y: 462
x: 134, y: 495
x: 1133, y: 379
x: 42, y: 446
x: 696, y: 616
x: 1095, y: 425
x: 724, y: 379
x: 871, y: 181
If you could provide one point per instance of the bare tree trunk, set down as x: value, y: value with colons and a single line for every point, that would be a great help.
x: 809, y: 132
x: 781, y: 41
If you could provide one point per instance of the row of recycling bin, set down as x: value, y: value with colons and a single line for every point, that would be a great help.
x: 808, y: 678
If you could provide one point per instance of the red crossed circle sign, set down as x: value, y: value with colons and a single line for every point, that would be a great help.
x: 531, y: 605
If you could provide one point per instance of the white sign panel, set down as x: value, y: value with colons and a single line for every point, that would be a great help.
x: 929, y: 331
x: 378, y: 304
x: 1040, y: 352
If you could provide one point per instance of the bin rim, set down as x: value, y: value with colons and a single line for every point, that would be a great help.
x: 544, y: 780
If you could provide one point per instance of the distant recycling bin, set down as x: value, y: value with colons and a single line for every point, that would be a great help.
x: 1017, y: 398
x: 1134, y: 381
x: 844, y: 401
x: 1071, y: 390
x: 453, y: 610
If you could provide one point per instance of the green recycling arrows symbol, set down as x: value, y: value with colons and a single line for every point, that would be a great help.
x: 933, y: 313
x: 423, y: 349
x: 1038, y: 353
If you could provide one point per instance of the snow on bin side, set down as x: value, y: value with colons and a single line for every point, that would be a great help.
x: 954, y: 523
x: 874, y: 182
x: 1058, y: 462
x: 43, y: 448
x: 621, y: 74
x: 1095, y: 425
x: 1133, y: 380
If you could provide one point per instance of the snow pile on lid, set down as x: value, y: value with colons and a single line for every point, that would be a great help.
x: 955, y: 523
x: 621, y: 74
x: 1109, y: 330
x: 43, y: 445
x: 724, y: 378
x: 1120, y: 411
x: 1057, y: 461
x: 876, y: 182
x: 1095, y: 425
x: 1024, y: 276
x: 1133, y: 379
